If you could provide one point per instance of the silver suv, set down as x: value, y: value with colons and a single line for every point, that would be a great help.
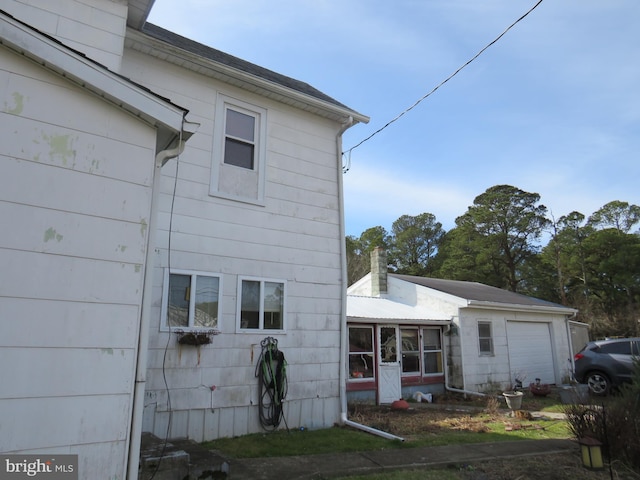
x: 604, y: 364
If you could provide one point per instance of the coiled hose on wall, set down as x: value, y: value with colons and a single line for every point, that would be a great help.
x: 271, y: 371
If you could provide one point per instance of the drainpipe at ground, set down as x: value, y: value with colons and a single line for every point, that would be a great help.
x: 343, y: 316
x: 145, y: 316
x: 462, y: 390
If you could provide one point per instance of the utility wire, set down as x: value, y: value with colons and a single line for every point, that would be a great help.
x: 348, y: 152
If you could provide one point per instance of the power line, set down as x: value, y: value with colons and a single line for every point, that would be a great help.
x: 348, y: 152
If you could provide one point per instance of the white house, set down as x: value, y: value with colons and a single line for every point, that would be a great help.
x: 119, y: 239
x: 412, y: 334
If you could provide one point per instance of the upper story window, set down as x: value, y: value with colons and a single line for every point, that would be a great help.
x: 261, y: 304
x: 191, y: 300
x: 239, y: 151
x: 240, y: 138
x: 485, y: 338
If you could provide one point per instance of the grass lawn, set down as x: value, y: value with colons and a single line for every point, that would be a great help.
x: 419, y: 426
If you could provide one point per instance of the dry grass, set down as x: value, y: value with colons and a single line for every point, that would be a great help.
x: 479, y: 416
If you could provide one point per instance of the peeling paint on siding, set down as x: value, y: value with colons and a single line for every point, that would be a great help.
x: 143, y: 227
x: 61, y: 148
x: 18, y: 104
x: 51, y: 234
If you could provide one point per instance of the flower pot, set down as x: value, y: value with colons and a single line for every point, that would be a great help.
x: 540, y: 389
x: 514, y: 400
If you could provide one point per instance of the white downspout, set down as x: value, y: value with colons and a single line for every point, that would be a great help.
x: 446, y: 376
x: 145, y: 317
x: 343, y: 317
x: 572, y: 362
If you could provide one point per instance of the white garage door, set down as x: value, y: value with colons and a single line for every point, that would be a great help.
x: 530, y: 353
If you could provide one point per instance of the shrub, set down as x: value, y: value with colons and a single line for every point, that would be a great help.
x: 616, y: 424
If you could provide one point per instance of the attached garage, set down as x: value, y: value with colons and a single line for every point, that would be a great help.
x: 530, y: 351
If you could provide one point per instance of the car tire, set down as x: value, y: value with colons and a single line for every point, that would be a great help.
x: 599, y: 383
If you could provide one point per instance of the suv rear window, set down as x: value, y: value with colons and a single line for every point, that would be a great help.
x: 622, y: 348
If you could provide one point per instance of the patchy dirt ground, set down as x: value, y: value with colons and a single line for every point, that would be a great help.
x: 461, y: 415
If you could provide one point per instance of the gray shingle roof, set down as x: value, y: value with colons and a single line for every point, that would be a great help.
x: 218, y: 56
x: 477, y: 292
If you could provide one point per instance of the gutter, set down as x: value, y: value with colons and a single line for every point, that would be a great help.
x: 343, y: 316
x: 162, y: 157
x: 521, y: 308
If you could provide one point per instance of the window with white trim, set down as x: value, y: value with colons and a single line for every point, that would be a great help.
x: 410, y: 347
x: 485, y: 338
x: 239, y: 138
x: 191, y: 300
x: 239, y: 151
x: 361, y: 353
x: 261, y: 304
x: 421, y: 350
x: 432, y: 351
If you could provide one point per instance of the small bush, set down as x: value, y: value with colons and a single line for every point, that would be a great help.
x: 616, y: 424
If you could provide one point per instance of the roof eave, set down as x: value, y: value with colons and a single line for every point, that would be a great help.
x: 90, y: 75
x: 138, y: 12
x: 146, y: 44
x: 412, y: 321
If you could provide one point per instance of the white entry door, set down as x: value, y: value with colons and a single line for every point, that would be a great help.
x: 389, y: 369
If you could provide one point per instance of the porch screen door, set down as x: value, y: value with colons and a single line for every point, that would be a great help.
x: 389, y: 369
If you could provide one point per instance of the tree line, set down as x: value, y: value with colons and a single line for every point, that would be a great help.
x: 589, y: 263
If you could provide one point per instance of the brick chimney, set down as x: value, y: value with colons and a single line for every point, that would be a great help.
x: 378, y: 272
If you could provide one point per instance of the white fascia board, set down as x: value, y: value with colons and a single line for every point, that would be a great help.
x: 521, y: 308
x: 399, y: 321
x: 90, y: 75
x: 197, y: 63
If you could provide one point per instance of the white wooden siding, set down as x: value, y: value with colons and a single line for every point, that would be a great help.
x: 75, y: 198
x: 295, y: 236
x: 93, y: 27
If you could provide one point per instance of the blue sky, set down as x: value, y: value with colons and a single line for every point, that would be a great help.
x: 552, y: 108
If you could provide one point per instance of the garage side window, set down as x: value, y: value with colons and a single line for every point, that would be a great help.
x: 360, y: 353
x: 485, y: 338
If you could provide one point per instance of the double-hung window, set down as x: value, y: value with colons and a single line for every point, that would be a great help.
x: 432, y: 351
x: 485, y: 338
x: 191, y: 300
x: 240, y: 138
x: 361, y: 353
x: 261, y: 304
x: 239, y: 151
x: 410, y: 347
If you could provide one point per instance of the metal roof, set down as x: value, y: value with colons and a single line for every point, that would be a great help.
x: 380, y: 308
x: 480, y: 294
